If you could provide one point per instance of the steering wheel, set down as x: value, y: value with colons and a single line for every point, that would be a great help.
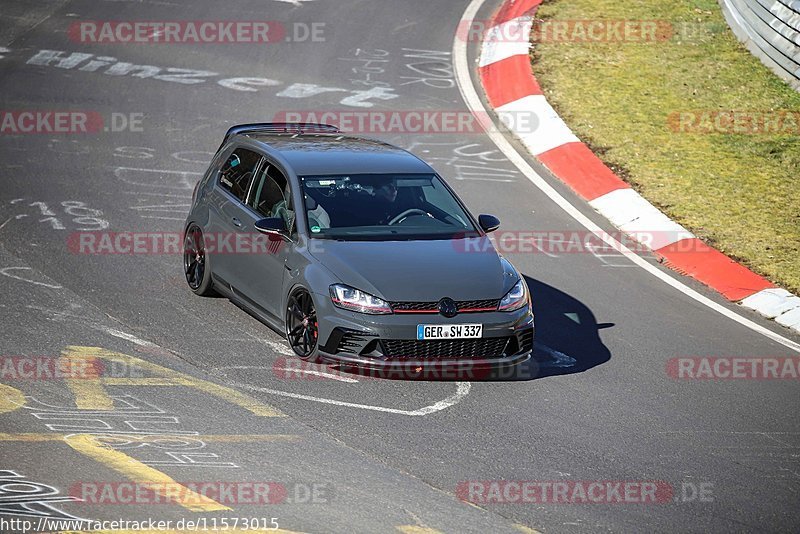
x: 412, y: 211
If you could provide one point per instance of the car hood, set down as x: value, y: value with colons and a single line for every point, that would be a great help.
x: 422, y: 271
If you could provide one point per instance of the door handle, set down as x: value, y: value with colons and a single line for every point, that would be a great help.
x: 236, y: 222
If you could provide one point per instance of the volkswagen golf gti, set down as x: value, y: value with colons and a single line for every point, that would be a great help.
x: 355, y: 250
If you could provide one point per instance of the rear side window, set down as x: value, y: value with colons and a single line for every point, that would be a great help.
x: 237, y: 172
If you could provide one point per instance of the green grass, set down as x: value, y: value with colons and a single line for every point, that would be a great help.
x: 738, y: 192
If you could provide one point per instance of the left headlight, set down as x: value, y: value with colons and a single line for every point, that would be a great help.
x: 349, y: 298
x: 516, y: 298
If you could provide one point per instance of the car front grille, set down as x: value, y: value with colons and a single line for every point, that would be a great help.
x: 464, y: 306
x: 487, y: 347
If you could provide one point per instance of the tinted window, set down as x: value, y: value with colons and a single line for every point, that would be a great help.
x: 272, y: 196
x: 382, y: 206
x: 237, y: 172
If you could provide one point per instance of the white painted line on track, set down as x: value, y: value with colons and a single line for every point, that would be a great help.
x: 558, y: 359
x: 474, y: 103
x: 319, y: 373
x: 5, y: 272
x: 124, y: 335
x: 275, y: 346
x: 161, y: 207
x: 332, y: 376
x: 169, y: 195
x: 295, y: 3
x: 462, y: 390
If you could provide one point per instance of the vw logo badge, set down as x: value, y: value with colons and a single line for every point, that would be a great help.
x: 447, y: 307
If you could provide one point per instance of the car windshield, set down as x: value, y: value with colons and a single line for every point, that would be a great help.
x: 383, y: 207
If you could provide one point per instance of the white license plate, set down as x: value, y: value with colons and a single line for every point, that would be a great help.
x: 449, y: 331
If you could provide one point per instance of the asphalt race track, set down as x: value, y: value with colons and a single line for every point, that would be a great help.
x: 203, y: 393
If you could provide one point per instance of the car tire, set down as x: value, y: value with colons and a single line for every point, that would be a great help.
x: 302, y: 327
x: 196, y: 266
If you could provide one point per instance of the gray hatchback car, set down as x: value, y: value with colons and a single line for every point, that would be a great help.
x: 356, y: 250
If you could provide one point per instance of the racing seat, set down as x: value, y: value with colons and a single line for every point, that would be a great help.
x: 317, y: 216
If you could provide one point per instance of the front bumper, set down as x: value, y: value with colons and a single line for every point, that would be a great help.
x: 386, y: 342
x: 462, y: 367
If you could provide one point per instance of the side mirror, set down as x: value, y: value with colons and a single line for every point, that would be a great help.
x: 274, y: 226
x: 489, y: 223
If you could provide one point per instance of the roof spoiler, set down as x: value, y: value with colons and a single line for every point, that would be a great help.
x: 279, y: 127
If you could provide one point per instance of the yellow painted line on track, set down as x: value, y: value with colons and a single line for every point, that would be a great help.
x: 143, y: 474
x: 10, y: 399
x: 90, y: 394
x: 29, y: 437
x: 525, y: 530
x: 170, y: 377
x: 414, y: 529
x: 85, y: 386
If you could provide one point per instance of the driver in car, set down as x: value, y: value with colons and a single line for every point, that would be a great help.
x: 384, y: 201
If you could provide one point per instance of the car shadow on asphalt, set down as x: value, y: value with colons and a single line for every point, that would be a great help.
x: 567, y: 338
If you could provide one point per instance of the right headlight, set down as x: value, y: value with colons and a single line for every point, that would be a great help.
x: 350, y: 298
x: 516, y: 298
